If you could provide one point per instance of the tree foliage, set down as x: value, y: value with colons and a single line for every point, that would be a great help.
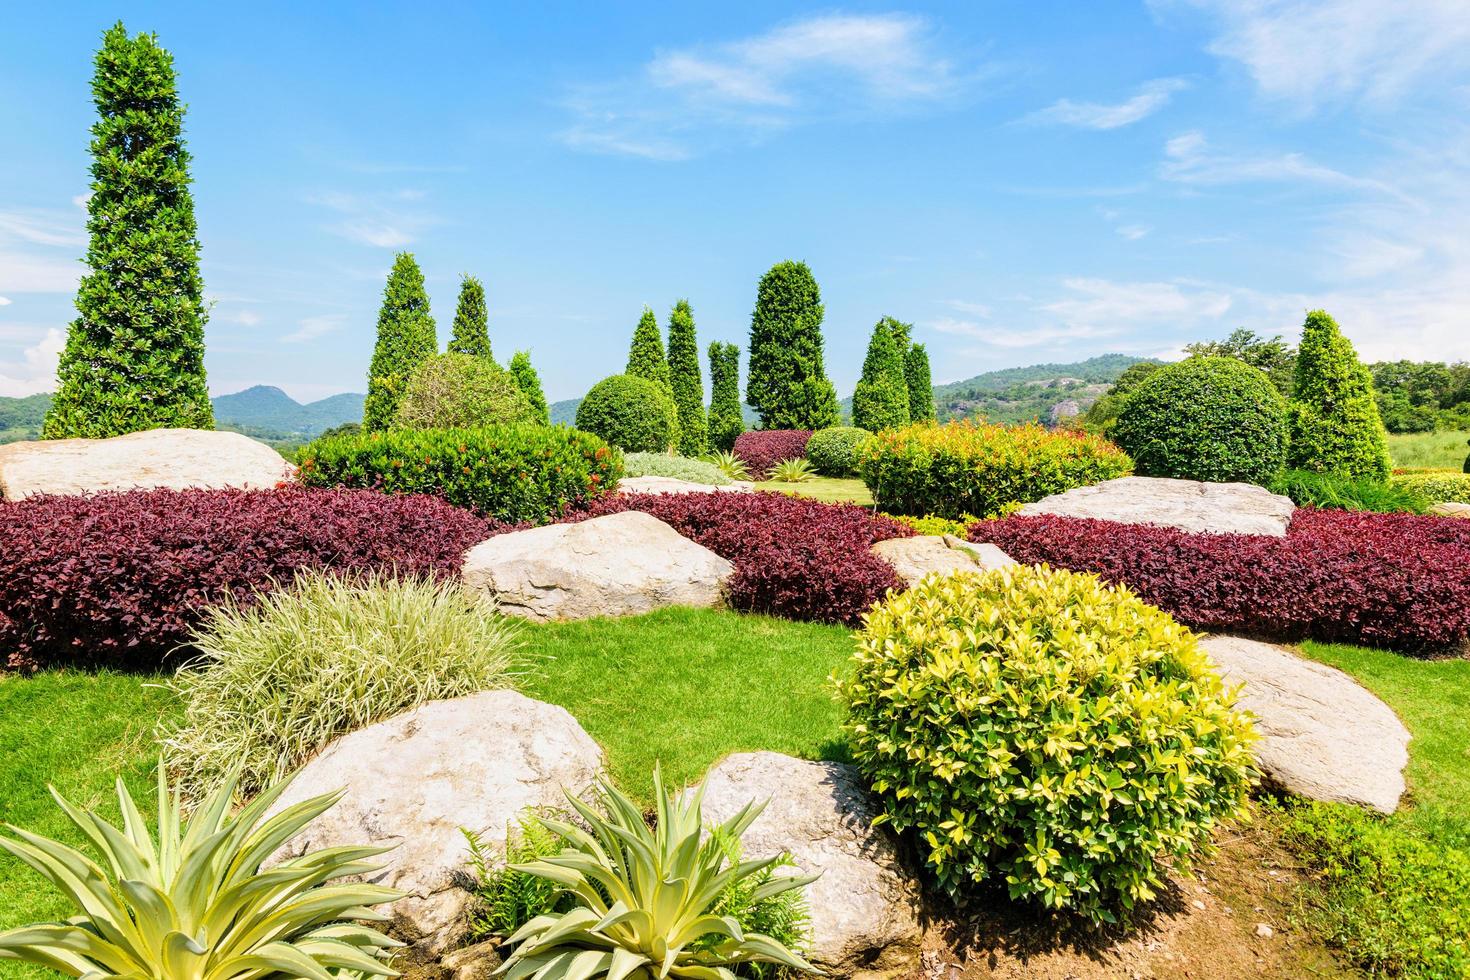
x: 685, y: 380
x: 1335, y: 425
x: 471, y: 320
x: 406, y: 338
x: 881, y: 400
x: 134, y: 356
x: 1273, y: 355
x: 529, y: 382
x: 646, y: 355
x: 920, y: 383
x: 787, y: 383
x: 726, y: 421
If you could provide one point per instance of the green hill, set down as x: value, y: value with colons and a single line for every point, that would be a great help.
x: 1040, y: 391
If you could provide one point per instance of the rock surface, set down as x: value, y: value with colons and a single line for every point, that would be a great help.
x: 618, y: 565
x: 1323, y: 736
x: 177, y: 459
x: 1217, y: 508
x: 669, y: 484
x: 864, y: 908
x: 1450, y: 510
x: 913, y: 558
x: 413, y: 781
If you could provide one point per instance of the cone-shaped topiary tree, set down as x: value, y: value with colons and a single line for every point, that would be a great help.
x: 881, y: 400
x: 646, y: 355
x: 920, y: 383
x: 529, y: 382
x: 134, y: 356
x: 726, y: 421
x: 787, y: 383
x: 406, y: 338
x: 471, y: 320
x: 1335, y: 425
x: 685, y: 379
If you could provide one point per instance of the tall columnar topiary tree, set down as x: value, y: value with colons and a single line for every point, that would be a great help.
x: 471, y: 320
x: 725, y: 419
x: 134, y: 356
x: 685, y: 379
x: 787, y: 383
x: 406, y: 338
x: 1335, y: 425
x: 529, y: 382
x: 646, y: 355
x: 881, y: 400
x: 920, y: 383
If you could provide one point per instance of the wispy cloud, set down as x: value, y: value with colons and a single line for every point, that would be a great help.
x: 39, y: 250
x: 391, y: 220
x: 1151, y: 97
x: 245, y: 318
x: 1132, y: 233
x: 42, y: 228
x: 1110, y: 305
x: 1188, y: 159
x: 37, y: 368
x: 312, y: 327
x: 683, y: 100
x: 4, y: 300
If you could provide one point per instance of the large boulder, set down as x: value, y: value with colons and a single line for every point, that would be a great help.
x: 669, y: 484
x: 1450, y: 510
x: 413, y: 781
x: 1323, y: 736
x: 618, y: 565
x: 1217, y: 508
x: 864, y: 908
x: 913, y: 558
x: 177, y: 459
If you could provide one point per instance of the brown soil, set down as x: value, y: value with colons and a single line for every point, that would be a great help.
x: 1205, y: 926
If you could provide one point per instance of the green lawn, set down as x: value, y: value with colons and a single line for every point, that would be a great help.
x: 831, y: 489
x: 1446, y: 450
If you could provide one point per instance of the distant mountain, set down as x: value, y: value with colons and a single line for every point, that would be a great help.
x: 269, y: 413
x: 1041, y: 391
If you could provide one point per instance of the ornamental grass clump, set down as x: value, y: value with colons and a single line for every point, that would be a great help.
x: 1037, y: 728
x: 280, y: 678
x: 192, y: 902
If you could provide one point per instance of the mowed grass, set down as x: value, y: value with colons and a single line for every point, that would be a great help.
x: 1443, y: 450
x: 830, y: 489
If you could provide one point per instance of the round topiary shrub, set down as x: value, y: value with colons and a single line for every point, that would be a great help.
x: 1206, y: 418
x: 831, y: 450
x: 462, y: 391
x: 1039, y: 728
x: 632, y: 413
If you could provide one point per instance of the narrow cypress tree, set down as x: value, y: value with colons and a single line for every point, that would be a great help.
x: 685, y: 379
x: 787, y: 383
x: 406, y: 338
x: 646, y: 355
x: 725, y: 419
x: 881, y: 400
x: 529, y: 382
x: 1335, y: 425
x: 134, y: 356
x: 920, y: 383
x: 471, y: 321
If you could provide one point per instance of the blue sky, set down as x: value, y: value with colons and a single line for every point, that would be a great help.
x: 1025, y: 181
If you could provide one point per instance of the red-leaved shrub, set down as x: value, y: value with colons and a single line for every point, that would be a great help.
x: 1391, y: 580
x: 121, y: 577
x: 793, y: 557
x: 760, y: 451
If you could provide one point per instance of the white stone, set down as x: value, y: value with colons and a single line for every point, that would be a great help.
x: 669, y: 484
x: 1217, y: 508
x: 413, y: 781
x: 1323, y: 736
x: 618, y: 565
x: 177, y: 459
x: 1450, y: 510
x: 913, y: 558
x: 864, y: 908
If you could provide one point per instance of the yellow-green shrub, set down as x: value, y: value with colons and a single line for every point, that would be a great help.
x: 1435, y: 486
x: 1040, y: 728
x: 973, y: 468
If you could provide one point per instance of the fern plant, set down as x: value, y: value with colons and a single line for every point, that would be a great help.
x: 507, y: 898
x: 793, y: 471
x: 783, y: 917
x: 646, y: 898
x: 195, y: 904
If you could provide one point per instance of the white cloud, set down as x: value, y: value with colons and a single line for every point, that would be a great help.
x: 39, y: 250
x: 380, y: 221
x: 1120, y: 306
x: 682, y: 100
x: 1312, y: 52
x: 42, y: 228
x: 1133, y: 232
x: 974, y: 309
x: 38, y: 370
x: 43, y: 272
x: 1152, y: 96
x: 1188, y: 159
x: 4, y: 300
x: 312, y: 327
x: 245, y: 318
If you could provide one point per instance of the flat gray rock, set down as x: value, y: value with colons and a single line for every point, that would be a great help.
x: 865, y: 907
x: 913, y: 558
x: 413, y: 781
x: 1189, y: 505
x: 1323, y: 735
x: 177, y: 459
x: 618, y: 565
x: 1450, y: 510
x: 669, y: 484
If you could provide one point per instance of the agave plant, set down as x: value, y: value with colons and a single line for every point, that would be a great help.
x: 793, y: 471
x: 195, y: 905
x: 644, y: 897
x: 729, y: 464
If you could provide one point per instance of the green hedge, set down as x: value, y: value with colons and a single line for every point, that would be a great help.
x: 512, y: 473
x: 635, y: 414
x: 832, y: 450
x: 966, y: 468
x: 1436, y: 486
